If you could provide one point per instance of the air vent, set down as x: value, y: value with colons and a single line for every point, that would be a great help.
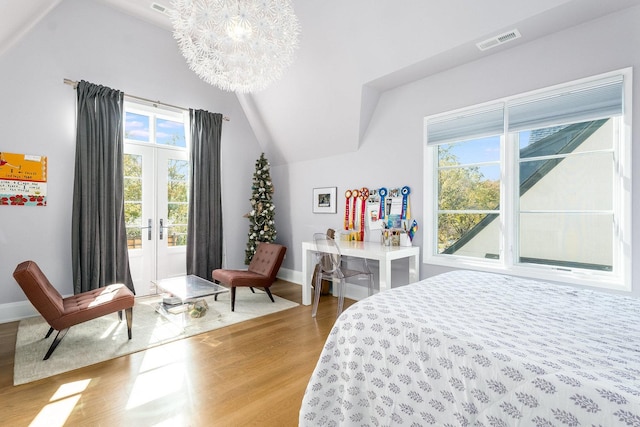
x: 498, y: 40
x: 159, y: 8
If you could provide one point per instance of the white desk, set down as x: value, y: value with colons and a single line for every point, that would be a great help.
x: 369, y: 250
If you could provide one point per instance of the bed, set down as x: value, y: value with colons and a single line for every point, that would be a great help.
x: 479, y: 349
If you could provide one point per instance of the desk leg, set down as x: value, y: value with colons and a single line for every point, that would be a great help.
x: 385, y: 274
x: 414, y: 268
x: 307, y: 268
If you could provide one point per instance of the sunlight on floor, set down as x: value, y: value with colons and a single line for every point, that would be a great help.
x: 63, y: 401
x: 162, y: 374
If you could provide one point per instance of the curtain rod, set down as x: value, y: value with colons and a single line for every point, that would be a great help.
x: 74, y: 84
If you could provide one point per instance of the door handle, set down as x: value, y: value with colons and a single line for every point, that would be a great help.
x: 162, y: 227
x: 149, y: 227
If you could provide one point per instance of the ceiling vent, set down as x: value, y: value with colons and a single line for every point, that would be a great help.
x: 498, y: 40
x: 160, y: 8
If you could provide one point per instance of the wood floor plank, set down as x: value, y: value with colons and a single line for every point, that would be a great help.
x: 249, y: 374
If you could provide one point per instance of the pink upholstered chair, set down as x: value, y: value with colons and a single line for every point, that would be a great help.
x: 62, y: 313
x: 262, y: 271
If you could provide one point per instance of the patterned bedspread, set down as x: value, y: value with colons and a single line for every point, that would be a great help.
x: 478, y: 349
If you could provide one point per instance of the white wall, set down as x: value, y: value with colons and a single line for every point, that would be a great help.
x: 391, y: 152
x: 85, y: 40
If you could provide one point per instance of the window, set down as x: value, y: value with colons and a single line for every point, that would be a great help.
x: 535, y: 185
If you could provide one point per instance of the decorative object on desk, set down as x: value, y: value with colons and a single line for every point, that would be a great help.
x: 324, y: 200
x: 413, y: 229
x: 262, y: 215
x: 239, y: 46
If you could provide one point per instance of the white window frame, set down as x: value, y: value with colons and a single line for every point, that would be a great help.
x: 618, y: 279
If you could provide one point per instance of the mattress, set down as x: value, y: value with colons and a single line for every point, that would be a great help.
x: 478, y: 349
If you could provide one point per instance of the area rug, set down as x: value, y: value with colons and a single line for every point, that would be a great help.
x: 106, y: 338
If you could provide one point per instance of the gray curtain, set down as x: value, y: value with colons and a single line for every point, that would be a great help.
x: 204, y: 232
x: 99, y: 242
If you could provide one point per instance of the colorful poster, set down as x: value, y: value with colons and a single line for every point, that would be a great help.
x: 23, y: 179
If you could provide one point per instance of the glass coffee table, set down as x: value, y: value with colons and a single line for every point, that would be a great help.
x: 186, y: 298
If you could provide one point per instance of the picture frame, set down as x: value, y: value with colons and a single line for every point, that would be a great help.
x: 324, y: 200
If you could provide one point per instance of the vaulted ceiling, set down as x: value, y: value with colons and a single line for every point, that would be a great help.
x: 351, y: 52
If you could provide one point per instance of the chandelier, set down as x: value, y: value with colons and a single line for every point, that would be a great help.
x: 239, y: 45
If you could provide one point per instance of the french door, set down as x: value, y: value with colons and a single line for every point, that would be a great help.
x: 156, y: 206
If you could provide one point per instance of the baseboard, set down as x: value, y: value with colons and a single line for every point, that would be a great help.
x: 14, y: 311
x: 290, y: 275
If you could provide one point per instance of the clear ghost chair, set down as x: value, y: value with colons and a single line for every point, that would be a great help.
x: 329, y: 267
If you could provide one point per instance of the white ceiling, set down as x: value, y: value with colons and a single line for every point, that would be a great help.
x: 351, y: 51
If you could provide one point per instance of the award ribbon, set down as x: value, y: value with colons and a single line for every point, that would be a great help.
x: 405, y: 201
x: 364, y: 195
x: 355, y: 194
x: 347, y: 195
x: 383, y: 211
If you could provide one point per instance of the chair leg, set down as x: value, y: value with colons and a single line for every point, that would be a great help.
x: 341, y: 287
x: 268, y: 291
x: 252, y: 289
x: 120, y: 316
x: 233, y: 298
x: 316, y: 298
x: 49, y: 333
x: 55, y: 342
x: 129, y: 313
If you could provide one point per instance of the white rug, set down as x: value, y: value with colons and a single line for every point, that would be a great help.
x: 106, y: 338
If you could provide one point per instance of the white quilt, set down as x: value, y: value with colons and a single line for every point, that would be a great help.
x: 478, y: 349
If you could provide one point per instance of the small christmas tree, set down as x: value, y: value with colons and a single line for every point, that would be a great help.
x: 262, y: 226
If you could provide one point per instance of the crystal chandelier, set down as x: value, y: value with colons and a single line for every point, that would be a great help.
x: 239, y: 45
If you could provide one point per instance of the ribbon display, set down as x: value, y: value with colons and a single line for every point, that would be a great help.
x: 405, y: 202
x: 364, y: 195
x: 383, y: 210
x: 355, y: 193
x: 347, y: 195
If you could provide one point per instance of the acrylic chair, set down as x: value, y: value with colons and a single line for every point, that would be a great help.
x: 330, y: 267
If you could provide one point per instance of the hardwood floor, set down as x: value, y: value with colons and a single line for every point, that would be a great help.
x: 249, y: 374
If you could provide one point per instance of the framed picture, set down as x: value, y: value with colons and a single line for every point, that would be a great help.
x: 324, y: 200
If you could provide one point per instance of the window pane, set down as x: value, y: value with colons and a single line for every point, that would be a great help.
x: 465, y: 188
x: 177, y: 236
x: 177, y: 213
x: 178, y: 170
x: 473, y: 235
x: 474, y: 151
x: 567, y: 240
x: 136, y: 127
x: 169, y: 132
x: 577, y: 182
x: 177, y: 197
x: 133, y: 199
x: 586, y: 136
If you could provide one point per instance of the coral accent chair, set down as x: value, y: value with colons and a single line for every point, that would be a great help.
x: 262, y: 271
x: 62, y: 313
